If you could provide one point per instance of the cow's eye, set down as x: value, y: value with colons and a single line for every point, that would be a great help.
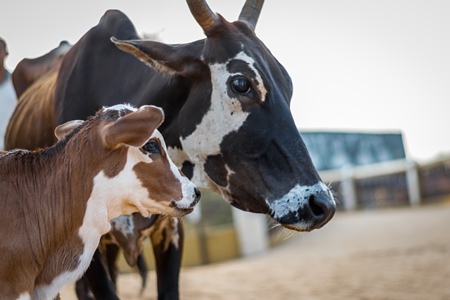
x: 152, y: 147
x: 240, y: 85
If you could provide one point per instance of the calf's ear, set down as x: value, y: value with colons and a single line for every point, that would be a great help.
x: 62, y: 130
x: 133, y: 129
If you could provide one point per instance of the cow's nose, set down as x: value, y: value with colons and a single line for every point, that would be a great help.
x: 322, y: 209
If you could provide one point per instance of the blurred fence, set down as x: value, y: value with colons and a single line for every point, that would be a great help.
x: 390, y: 184
x: 223, y: 233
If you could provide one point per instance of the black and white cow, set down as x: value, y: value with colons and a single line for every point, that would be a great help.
x: 228, y: 124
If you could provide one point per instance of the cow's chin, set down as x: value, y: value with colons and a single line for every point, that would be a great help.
x: 299, y: 224
x: 296, y: 227
x: 181, y: 212
x: 174, y: 212
x: 235, y: 202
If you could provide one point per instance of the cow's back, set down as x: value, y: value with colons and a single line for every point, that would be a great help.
x: 94, y: 73
x: 29, y: 70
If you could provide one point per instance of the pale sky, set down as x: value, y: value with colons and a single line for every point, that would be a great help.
x: 356, y: 65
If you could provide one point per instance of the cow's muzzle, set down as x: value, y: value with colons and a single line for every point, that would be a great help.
x: 304, y: 208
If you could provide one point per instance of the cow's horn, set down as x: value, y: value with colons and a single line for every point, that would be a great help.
x: 204, y: 16
x: 250, y: 12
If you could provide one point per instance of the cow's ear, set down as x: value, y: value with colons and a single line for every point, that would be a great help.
x: 62, y: 130
x: 133, y: 129
x: 166, y: 59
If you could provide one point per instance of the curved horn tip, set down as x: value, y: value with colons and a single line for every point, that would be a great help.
x: 250, y: 12
x: 203, y: 14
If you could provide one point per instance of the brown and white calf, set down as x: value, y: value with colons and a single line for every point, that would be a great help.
x: 56, y: 203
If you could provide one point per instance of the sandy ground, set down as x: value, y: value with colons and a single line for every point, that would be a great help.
x: 386, y: 254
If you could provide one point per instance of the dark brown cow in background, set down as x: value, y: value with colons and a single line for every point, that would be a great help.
x: 28, y: 70
x: 58, y: 202
x: 228, y: 123
x: 33, y: 120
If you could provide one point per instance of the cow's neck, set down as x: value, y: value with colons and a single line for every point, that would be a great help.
x: 51, y: 230
x: 63, y: 187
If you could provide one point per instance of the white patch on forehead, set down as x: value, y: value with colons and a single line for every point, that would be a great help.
x: 224, y: 116
x: 295, y: 199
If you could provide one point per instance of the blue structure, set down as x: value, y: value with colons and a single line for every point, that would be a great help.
x: 333, y: 150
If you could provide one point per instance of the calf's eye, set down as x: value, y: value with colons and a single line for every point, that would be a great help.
x: 152, y: 147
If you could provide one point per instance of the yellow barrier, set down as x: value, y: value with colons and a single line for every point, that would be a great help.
x: 218, y: 244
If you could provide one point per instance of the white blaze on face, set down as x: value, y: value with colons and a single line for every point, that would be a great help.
x: 224, y: 116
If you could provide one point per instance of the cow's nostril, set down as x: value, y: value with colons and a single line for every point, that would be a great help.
x: 198, y: 194
x: 322, y: 208
x: 316, y: 207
